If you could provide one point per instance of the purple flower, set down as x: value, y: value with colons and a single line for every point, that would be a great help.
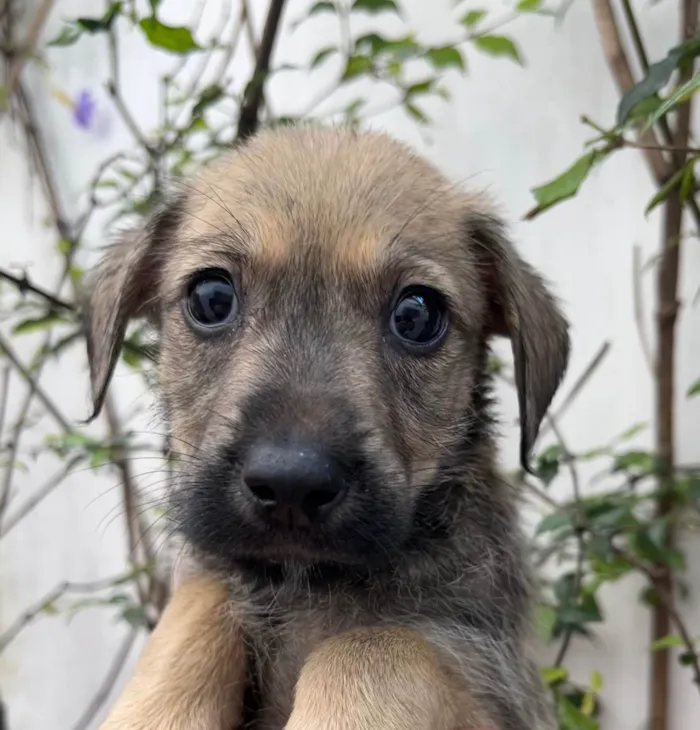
x: 84, y: 109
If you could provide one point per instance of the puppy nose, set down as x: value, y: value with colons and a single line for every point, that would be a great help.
x: 295, y: 483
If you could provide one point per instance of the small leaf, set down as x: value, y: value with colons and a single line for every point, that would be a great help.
x: 545, y: 620
x: 322, y: 55
x: 498, y: 45
x: 100, y: 25
x: 554, y: 675
x: 416, y: 113
x: 446, y: 57
x: 208, y: 96
x: 571, y: 718
x: 135, y: 616
x: 357, y: 65
x: 666, y: 642
x: 321, y: 7
x: 422, y: 87
x: 554, y: 522
x: 38, y: 323
x: 176, y: 39
x: 688, y: 182
x: 528, y: 6
x: 65, y: 247
x: 657, y: 76
x: 473, y: 17
x: 68, y: 36
x: 671, y: 184
x: 375, y: 6
x: 639, y: 461
x: 565, y: 186
x: 694, y: 389
x: 677, y: 97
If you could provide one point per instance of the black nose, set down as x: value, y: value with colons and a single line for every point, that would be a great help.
x: 295, y: 483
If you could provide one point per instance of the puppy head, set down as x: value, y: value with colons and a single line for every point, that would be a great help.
x: 324, y: 300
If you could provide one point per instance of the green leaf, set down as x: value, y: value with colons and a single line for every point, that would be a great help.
x: 688, y: 182
x: 176, y: 39
x: 322, y: 55
x: 498, y: 45
x: 528, y: 6
x: 357, y: 66
x: 417, y: 114
x: 671, y: 184
x: 565, y: 186
x: 100, y: 25
x: 554, y: 675
x: 641, y: 462
x: 571, y: 718
x: 68, y: 36
x: 208, y: 96
x: 547, y: 465
x: 657, y: 76
x: 38, y: 323
x: 422, y: 87
x: 680, y: 95
x: 694, y: 389
x: 554, y: 522
x: 321, y: 7
x: 473, y: 17
x: 375, y: 6
x: 666, y: 642
x: 545, y: 620
x: 446, y: 57
x: 135, y: 616
x: 65, y: 247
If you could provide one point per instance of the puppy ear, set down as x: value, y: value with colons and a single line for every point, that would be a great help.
x: 521, y: 307
x: 122, y: 287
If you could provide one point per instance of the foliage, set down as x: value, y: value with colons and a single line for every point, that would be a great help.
x: 609, y: 529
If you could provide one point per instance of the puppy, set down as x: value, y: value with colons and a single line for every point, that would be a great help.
x: 325, y: 301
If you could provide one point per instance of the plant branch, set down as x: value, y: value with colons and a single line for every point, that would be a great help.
x: 34, y: 387
x: 35, y: 500
x: 24, y: 285
x: 108, y: 683
x: 249, y: 117
x: 46, y: 603
x: 22, y: 55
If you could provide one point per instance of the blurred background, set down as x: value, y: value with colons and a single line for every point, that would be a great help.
x: 576, y: 115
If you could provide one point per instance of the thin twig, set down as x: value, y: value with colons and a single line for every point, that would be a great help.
x: 639, y: 308
x: 577, y: 388
x: 249, y: 116
x: 108, y: 683
x: 114, y: 90
x: 17, y: 626
x: 36, y: 499
x: 568, y: 459
x: 23, y: 54
x: 23, y: 285
x: 34, y: 387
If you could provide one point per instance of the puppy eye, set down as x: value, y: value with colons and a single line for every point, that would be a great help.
x: 419, y: 317
x: 211, y: 299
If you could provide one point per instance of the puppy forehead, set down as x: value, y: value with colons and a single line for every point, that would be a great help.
x: 354, y: 200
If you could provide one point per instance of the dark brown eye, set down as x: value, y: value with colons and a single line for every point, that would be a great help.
x: 211, y: 299
x: 419, y: 317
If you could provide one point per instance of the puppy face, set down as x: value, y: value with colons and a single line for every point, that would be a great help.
x: 324, y: 300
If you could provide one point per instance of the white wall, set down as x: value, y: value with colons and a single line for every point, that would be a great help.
x: 506, y: 129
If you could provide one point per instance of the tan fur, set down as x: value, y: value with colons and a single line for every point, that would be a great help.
x: 318, y: 228
x: 191, y: 673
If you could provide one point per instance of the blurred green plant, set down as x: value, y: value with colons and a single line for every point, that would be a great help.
x: 624, y: 521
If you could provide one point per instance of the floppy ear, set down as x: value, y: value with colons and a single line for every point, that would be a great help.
x: 123, y: 286
x: 521, y: 307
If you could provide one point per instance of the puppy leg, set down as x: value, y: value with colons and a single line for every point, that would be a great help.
x: 379, y: 679
x: 192, y: 672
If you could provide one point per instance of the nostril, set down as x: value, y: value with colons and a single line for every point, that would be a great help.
x: 318, y: 498
x: 262, y: 492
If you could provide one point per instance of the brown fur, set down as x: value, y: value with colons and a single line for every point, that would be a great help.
x: 420, y: 579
